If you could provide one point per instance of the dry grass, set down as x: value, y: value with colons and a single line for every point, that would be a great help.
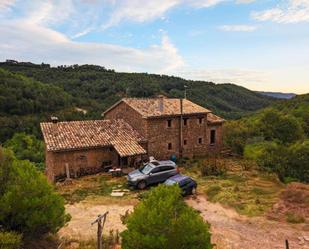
x: 95, y: 188
x: 244, y: 188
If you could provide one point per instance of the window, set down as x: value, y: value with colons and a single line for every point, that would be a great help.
x: 155, y: 170
x: 200, y: 120
x: 200, y: 140
x: 166, y: 168
x: 185, y: 121
x: 169, y: 146
x: 169, y: 123
x: 212, y: 137
x: 185, y: 142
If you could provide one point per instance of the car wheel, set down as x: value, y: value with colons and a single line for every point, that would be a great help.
x: 193, y: 191
x: 141, y: 185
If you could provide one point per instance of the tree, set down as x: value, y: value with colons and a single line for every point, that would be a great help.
x: 28, y: 203
x: 285, y: 128
x: 298, y: 166
x: 235, y: 135
x: 274, y: 157
x: 27, y: 147
x: 163, y: 220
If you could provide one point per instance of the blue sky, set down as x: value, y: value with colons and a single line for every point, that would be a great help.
x: 259, y: 44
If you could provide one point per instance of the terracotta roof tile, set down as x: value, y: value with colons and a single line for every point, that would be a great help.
x: 150, y: 107
x: 212, y: 118
x: 92, y: 133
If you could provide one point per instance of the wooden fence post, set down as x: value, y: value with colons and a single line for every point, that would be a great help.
x: 100, y: 228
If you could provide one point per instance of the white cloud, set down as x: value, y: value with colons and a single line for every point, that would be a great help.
x: 238, y: 28
x: 294, y: 11
x: 232, y: 75
x: 47, y: 45
x: 6, y: 4
x: 141, y: 11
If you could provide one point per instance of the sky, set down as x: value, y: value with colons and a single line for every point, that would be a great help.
x: 259, y: 44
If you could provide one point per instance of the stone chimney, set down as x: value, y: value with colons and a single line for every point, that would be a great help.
x: 161, y: 103
x: 54, y: 119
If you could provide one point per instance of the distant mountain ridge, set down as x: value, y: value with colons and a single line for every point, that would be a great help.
x: 278, y: 95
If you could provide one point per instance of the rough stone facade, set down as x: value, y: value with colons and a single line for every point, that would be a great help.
x: 131, y: 129
x: 132, y: 117
x: 163, y: 132
x: 79, y: 162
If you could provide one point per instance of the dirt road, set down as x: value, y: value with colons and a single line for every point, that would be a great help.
x: 229, y: 229
x: 233, y: 231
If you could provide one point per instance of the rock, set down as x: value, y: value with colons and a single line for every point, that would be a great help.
x: 117, y: 194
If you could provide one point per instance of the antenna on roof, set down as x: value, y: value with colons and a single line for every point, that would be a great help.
x: 185, y: 86
x: 127, y: 92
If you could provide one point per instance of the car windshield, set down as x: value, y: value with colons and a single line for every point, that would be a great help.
x: 147, y: 168
x: 170, y: 182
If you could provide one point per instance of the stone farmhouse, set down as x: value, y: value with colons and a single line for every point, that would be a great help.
x: 131, y: 129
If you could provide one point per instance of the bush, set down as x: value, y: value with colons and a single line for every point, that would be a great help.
x: 10, y: 240
x: 294, y: 218
x: 235, y: 135
x: 163, y: 220
x: 212, y: 167
x: 28, y: 203
x: 298, y: 166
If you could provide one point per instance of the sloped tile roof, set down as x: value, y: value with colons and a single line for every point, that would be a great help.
x: 92, y: 133
x: 150, y: 107
x: 214, y: 119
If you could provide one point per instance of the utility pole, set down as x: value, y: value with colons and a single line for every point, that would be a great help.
x: 185, y: 91
x: 180, y: 128
x: 100, y: 228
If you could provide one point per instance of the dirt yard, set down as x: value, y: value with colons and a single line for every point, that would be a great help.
x: 246, y: 209
x: 233, y: 231
x: 83, y: 214
x: 229, y: 229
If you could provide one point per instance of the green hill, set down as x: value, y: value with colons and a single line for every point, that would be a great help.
x: 30, y: 93
x: 95, y: 88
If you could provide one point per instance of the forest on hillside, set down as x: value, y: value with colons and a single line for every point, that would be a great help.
x: 277, y: 138
x: 31, y: 93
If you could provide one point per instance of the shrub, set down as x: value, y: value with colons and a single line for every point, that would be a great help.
x: 10, y: 240
x: 235, y: 136
x: 294, y: 218
x: 212, y: 167
x: 163, y: 220
x: 28, y: 203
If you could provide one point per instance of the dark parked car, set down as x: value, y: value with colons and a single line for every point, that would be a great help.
x: 186, y: 183
x: 151, y: 173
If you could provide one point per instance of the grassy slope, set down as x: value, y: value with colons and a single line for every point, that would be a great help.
x: 249, y: 191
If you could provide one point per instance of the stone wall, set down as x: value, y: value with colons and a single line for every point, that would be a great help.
x: 80, y: 162
x: 218, y: 145
x: 132, y: 117
x: 160, y: 135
